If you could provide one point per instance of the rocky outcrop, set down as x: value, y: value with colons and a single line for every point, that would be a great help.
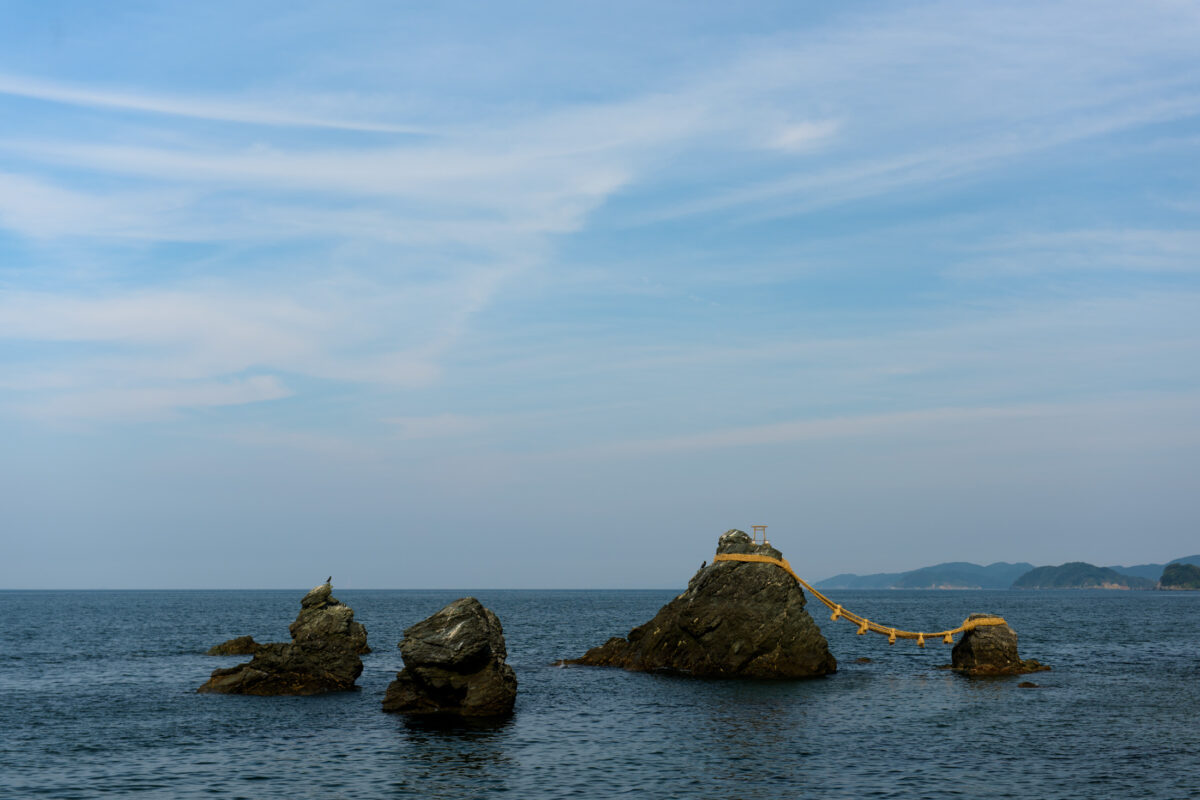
x: 735, y: 620
x: 239, y: 646
x: 454, y: 665
x: 323, y: 655
x: 322, y: 616
x: 990, y: 650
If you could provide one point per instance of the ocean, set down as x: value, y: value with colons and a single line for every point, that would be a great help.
x: 97, y: 699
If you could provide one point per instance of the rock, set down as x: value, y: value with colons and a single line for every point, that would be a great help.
x: 323, y: 616
x: 1027, y: 685
x: 240, y: 646
x: 323, y: 655
x: 735, y: 620
x: 454, y: 665
x: 316, y: 667
x: 990, y: 650
x: 862, y: 660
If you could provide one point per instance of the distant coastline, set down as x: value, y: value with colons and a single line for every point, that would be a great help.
x: 960, y: 575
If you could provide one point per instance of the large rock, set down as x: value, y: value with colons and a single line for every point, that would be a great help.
x: 990, y: 650
x: 735, y: 620
x: 323, y: 655
x: 454, y: 665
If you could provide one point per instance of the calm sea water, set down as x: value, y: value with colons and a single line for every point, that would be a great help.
x: 97, y: 700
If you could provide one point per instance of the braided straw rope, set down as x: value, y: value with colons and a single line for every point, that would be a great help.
x: 864, y: 624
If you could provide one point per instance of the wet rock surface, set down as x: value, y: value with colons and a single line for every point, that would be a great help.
x: 991, y: 650
x: 454, y: 665
x: 735, y: 620
x: 239, y: 646
x: 323, y: 655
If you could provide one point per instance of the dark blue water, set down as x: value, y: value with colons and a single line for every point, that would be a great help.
x: 97, y: 700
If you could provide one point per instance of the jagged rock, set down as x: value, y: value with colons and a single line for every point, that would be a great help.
x: 735, y: 620
x: 323, y: 655
x: 240, y: 646
x: 316, y: 667
x: 323, y: 616
x: 454, y: 664
x: 990, y: 650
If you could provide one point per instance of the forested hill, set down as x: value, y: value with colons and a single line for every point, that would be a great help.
x: 951, y: 575
x: 1079, y: 575
x: 1003, y: 575
x: 1180, y: 576
x: 1153, y: 571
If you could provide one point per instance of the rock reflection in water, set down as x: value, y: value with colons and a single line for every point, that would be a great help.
x: 445, y: 757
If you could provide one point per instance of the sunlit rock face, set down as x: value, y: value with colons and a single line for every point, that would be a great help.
x: 454, y: 665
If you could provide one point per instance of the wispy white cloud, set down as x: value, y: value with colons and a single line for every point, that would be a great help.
x: 1132, y: 250
x: 45, y: 209
x: 220, y: 110
x: 986, y: 425
x: 141, y: 403
x: 437, y: 426
x: 803, y: 136
x: 168, y: 343
x: 812, y: 189
x: 441, y: 225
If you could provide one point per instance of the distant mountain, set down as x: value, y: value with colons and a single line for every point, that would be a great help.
x: 1079, y: 575
x: 951, y: 575
x: 1001, y: 575
x: 848, y: 580
x: 1180, y: 576
x: 1154, y: 571
x: 963, y: 575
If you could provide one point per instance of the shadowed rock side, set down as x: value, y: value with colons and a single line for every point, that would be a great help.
x: 991, y: 650
x: 454, y: 665
x: 735, y: 620
x: 323, y: 655
x: 240, y: 646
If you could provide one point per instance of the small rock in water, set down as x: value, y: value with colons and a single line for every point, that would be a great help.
x: 862, y: 660
x: 323, y: 655
x: 736, y: 619
x: 454, y: 665
x: 991, y: 650
x: 1027, y: 685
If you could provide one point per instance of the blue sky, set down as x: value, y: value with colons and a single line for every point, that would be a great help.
x: 551, y: 295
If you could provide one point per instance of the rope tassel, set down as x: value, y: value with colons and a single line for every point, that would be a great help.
x: 920, y: 640
x: 892, y: 638
x: 948, y: 639
x: 837, y: 612
x: 863, y: 628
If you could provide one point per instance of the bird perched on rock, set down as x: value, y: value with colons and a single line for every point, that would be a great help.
x: 329, y: 579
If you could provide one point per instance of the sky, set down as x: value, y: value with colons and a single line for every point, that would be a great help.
x: 550, y: 295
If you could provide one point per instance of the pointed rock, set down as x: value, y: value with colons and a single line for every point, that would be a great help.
x: 735, y: 620
x: 323, y: 655
x: 323, y: 616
